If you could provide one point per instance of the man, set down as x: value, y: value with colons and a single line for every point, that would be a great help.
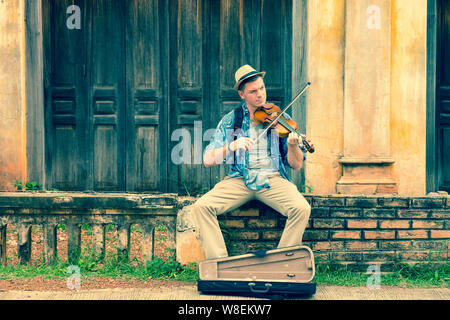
x: 258, y: 170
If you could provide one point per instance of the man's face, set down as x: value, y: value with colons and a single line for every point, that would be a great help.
x: 254, y: 93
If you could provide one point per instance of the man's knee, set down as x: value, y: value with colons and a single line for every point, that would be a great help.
x: 302, y: 208
x: 202, y: 206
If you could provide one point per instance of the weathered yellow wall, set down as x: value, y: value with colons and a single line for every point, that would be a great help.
x: 325, y: 114
x: 408, y: 94
x: 326, y: 26
x: 12, y: 102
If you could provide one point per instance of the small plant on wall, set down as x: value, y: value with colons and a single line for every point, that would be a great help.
x: 27, y: 186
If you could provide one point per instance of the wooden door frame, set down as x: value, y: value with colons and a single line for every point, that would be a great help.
x: 34, y: 83
x: 34, y: 87
x: 299, y: 63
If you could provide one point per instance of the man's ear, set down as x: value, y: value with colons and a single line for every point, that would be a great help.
x: 241, y: 94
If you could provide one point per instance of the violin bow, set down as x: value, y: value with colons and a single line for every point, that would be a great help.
x: 282, y: 112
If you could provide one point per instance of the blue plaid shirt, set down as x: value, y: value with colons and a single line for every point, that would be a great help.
x: 253, y: 179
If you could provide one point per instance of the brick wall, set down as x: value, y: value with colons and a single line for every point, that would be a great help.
x: 354, y: 230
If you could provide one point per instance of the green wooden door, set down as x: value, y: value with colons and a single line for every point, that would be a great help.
x: 443, y: 99
x: 140, y: 78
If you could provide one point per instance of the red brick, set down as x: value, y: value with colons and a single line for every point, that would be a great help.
x: 428, y: 202
x: 315, y: 235
x: 428, y: 224
x: 379, y: 234
x: 361, y: 245
x: 361, y: 202
x: 319, y: 212
x: 346, y: 235
x: 379, y: 213
x: 442, y: 214
x: 394, y: 245
x: 419, y: 255
x: 394, y: 224
x: 412, y: 214
x: 270, y: 235
x: 328, y: 223
x: 413, y: 234
x: 440, y: 234
x: 379, y: 256
x: 247, y: 235
x: 266, y: 223
x: 253, y: 212
x: 394, y: 202
x: 361, y: 224
x: 337, y: 201
x: 328, y: 246
x: 322, y: 256
x: 234, y: 223
x: 345, y: 213
x: 430, y: 245
x: 346, y: 256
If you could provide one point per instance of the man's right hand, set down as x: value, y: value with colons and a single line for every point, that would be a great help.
x: 241, y: 143
x: 214, y: 157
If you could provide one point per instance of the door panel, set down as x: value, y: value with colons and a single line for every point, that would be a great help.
x: 107, y: 95
x: 146, y: 50
x: 187, y: 23
x: 65, y: 99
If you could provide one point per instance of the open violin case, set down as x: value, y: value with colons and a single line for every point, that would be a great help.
x: 279, y: 273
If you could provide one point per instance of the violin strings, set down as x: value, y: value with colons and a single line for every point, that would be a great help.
x: 282, y: 112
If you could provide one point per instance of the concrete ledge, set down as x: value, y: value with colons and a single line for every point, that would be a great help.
x: 91, y: 200
x: 73, y: 209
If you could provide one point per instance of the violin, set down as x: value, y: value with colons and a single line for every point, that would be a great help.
x: 271, y: 116
x: 266, y: 114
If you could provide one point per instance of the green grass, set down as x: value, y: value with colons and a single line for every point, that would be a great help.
x: 167, y: 268
x: 401, y: 274
x: 162, y: 268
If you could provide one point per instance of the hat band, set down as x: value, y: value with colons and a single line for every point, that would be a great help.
x: 247, y: 75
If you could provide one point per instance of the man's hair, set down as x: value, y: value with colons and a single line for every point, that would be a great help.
x: 251, y: 79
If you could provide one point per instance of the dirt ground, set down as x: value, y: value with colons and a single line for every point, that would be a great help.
x: 41, y: 284
x: 111, y: 241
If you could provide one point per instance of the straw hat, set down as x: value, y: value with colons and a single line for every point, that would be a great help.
x: 245, y: 72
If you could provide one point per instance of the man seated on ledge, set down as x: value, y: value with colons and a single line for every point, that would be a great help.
x: 258, y: 170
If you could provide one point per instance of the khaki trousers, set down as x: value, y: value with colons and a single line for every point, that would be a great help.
x: 231, y: 193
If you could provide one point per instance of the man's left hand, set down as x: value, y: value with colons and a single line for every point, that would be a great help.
x: 294, y: 139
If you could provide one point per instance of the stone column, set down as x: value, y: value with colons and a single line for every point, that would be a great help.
x: 366, y: 161
x: 50, y: 242
x: 98, y: 241
x: 123, y: 247
x: 73, y: 242
x: 24, y: 242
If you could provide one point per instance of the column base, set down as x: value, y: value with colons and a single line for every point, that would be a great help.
x: 366, y: 176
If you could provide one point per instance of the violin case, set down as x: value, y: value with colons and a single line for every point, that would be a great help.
x: 274, y: 274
